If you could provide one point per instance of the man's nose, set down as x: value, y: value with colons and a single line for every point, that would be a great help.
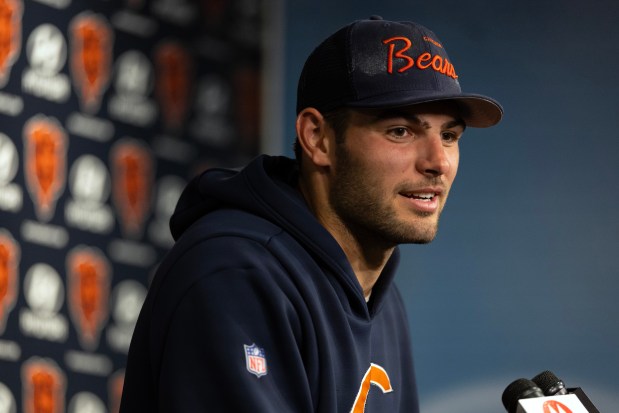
x: 432, y: 159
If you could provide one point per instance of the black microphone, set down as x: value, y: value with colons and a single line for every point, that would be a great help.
x: 550, y: 384
x: 518, y: 390
x: 545, y: 393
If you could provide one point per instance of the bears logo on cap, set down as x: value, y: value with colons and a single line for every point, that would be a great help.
x: 425, y: 60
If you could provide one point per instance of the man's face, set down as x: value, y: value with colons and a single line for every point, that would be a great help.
x: 392, y: 173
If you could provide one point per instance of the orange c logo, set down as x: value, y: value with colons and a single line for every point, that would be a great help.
x: 375, y: 375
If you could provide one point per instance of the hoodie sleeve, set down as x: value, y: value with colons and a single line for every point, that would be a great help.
x: 234, y: 345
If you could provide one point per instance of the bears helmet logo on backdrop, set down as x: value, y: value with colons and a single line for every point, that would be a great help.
x: 45, y: 157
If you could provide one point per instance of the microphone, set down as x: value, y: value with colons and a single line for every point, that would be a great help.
x: 545, y: 393
x: 550, y: 384
x: 517, y: 390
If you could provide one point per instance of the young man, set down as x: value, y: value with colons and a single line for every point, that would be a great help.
x: 278, y: 294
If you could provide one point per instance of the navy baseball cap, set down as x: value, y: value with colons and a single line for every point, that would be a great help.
x: 376, y: 63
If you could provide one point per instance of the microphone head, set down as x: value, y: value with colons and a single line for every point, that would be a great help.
x: 550, y: 384
x: 519, y: 389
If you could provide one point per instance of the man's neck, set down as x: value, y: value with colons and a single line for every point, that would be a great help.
x: 366, y: 256
x: 367, y: 259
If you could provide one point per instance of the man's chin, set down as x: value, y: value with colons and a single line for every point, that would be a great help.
x: 417, y: 234
x: 423, y: 239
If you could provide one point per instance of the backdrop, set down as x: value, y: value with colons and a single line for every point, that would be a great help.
x: 524, y: 273
x: 107, y: 109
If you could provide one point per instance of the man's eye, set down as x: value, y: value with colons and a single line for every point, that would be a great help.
x: 450, y: 137
x: 399, y: 132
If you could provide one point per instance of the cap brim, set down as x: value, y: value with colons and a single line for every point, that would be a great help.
x: 478, y: 111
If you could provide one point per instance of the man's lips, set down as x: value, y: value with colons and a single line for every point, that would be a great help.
x: 423, y: 193
x: 423, y: 200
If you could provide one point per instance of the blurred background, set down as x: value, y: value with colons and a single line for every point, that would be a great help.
x: 107, y: 108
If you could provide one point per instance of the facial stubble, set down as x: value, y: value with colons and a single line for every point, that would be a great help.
x: 368, y: 212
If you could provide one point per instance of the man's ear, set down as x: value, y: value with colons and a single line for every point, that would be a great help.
x: 314, y: 137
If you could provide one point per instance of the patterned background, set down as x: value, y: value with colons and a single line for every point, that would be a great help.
x: 107, y: 108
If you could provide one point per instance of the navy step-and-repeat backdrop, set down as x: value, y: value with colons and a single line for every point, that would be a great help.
x: 107, y: 108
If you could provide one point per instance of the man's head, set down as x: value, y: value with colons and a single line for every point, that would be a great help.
x: 380, y: 113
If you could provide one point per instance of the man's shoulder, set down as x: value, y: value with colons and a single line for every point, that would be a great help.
x: 230, y: 223
x: 219, y: 248
x: 227, y: 240
x: 222, y: 240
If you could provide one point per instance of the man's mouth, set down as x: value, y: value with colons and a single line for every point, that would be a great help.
x: 422, y: 197
x: 425, y: 200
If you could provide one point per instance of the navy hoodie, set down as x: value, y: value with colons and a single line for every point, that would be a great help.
x: 256, y: 309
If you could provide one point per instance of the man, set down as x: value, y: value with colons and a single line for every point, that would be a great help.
x: 278, y: 294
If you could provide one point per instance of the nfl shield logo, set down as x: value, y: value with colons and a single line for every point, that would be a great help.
x: 255, y: 360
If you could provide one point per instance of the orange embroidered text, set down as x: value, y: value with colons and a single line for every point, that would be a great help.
x: 424, y: 61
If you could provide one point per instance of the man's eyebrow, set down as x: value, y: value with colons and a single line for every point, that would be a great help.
x: 413, y: 118
x: 455, y: 123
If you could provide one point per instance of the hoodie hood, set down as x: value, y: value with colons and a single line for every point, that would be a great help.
x: 267, y: 187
